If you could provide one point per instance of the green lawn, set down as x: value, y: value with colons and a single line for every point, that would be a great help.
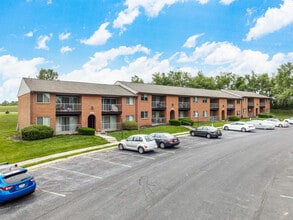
x: 14, y: 150
x: 9, y: 108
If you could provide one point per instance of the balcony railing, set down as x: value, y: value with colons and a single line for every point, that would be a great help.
x: 68, y: 107
x: 67, y: 128
x: 158, y: 104
x: 214, y: 105
x: 114, y: 126
x: 109, y: 108
x: 159, y: 120
x: 230, y: 106
x: 262, y: 104
x: 250, y: 104
x: 184, y: 105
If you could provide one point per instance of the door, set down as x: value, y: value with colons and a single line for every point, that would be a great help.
x: 91, y: 121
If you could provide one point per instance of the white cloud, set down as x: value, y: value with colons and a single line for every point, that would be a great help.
x: 12, y: 70
x: 64, y: 36
x: 29, y: 34
x: 66, y: 49
x: 203, y: 1
x: 273, y: 20
x: 191, y: 41
x: 226, y: 2
x: 151, y: 7
x: 42, y: 42
x: 100, y: 37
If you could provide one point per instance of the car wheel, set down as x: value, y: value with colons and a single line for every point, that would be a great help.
x: 208, y: 136
x: 162, y: 145
x: 226, y: 128
x: 243, y: 129
x: 280, y: 125
x: 120, y: 147
x: 192, y: 133
x: 140, y: 150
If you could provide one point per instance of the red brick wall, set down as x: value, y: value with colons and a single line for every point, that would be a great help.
x: 144, y: 106
x: 128, y: 109
x: 91, y: 105
x: 24, y: 111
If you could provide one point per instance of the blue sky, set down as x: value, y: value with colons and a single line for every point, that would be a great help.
x: 103, y: 41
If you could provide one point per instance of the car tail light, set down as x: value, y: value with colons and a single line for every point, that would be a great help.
x: 32, y: 179
x: 6, y: 188
x: 170, y: 140
x: 145, y: 146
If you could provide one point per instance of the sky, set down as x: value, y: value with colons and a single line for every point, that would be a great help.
x: 103, y: 41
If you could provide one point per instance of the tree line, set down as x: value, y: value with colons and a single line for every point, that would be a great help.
x: 279, y: 86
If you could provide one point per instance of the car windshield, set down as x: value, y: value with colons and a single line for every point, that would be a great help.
x: 148, y: 138
x: 16, y: 178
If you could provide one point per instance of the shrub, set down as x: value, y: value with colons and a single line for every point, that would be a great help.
x: 36, y: 132
x: 174, y: 122
x: 130, y: 125
x: 234, y: 118
x: 186, y: 121
x: 7, y: 112
x: 265, y: 115
x: 86, y: 131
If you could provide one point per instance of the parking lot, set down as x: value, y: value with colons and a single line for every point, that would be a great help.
x: 64, y: 180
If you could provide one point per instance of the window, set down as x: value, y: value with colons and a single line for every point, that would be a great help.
x: 204, y: 100
x: 129, y: 100
x: 205, y: 114
x: 144, y: 97
x: 238, y: 101
x: 43, y: 97
x: 144, y: 114
x: 43, y: 121
x: 238, y: 113
x: 244, y: 99
x: 195, y: 99
x: 244, y: 110
x: 129, y: 118
x: 195, y: 114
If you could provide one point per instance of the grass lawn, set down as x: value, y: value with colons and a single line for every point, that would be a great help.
x: 10, y: 108
x: 13, y: 150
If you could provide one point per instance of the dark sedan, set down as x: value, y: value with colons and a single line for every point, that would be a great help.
x: 165, y: 139
x: 206, y: 131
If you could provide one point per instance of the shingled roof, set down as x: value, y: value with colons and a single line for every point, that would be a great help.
x: 65, y: 87
x: 173, y: 90
x: 244, y: 94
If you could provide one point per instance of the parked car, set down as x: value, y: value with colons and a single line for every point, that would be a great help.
x: 15, y: 182
x: 259, y: 124
x: 206, y: 131
x: 289, y: 120
x: 277, y: 122
x: 138, y: 142
x: 239, y: 126
x: 165, y: 139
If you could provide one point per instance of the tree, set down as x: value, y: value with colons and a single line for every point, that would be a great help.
x: 47, y: 74
x: 136, y: 79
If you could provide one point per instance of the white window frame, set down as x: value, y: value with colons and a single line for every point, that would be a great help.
x: 144, y: 97
x: 195, y: 114
x: 144, y: 114
x: 129, y: 100
x: 43, y: 121
x: 129, y: 117
x: 44, y: 96
x: 205, y: 114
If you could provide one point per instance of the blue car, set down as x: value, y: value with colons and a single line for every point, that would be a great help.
x: 15, y: 182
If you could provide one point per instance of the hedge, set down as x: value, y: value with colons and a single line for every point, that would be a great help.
x: 36, y: 132
x: 129, y: 125
x: 86, y: 131
x: 234, y: 118
x: 186, y: 121
x: 265, y: 115
x: 174, y: 122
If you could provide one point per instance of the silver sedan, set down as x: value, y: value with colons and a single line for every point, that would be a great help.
x: 259, y: 124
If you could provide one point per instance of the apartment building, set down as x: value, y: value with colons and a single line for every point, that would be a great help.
x: 66, y: 106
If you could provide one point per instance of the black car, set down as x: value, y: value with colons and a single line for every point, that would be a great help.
x: 165, y: 139
x: 206, y: 131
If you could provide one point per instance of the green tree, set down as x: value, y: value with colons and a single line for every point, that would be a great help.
x: 136, y: 79
x: 47, y: 74
x: 224, y: 80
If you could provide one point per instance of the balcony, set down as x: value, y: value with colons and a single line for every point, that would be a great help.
x: 159, y: 120
x: 262, y: 104
x: 184, y: 106
x: 250, y: 104
x: 214, y: 106
x: 68, y: 108
x: 111, y: 109
x: 158, y: 105
x: 230, y: 106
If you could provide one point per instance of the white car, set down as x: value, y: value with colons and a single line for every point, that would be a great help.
x: 278, y: 123
x: 239, y: 126
x: 259, y: 124
x: 289, y: 120
x: 138, y: 142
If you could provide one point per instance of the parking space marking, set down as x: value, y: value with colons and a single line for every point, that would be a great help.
x: 54, y: 193
x: 135, y: 155
x: 291, y: 177
x: 287, y: 197
x: 76, y: 172
x: 107, y: 161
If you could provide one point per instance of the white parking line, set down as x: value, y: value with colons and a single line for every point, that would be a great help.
x: 56, y: 194
x: 107, y: 161
x: 287, y: 197
x: 135, y: 155
x: 76, y: 172
x: 291, y: 177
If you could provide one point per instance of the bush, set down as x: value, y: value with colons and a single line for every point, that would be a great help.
x: 174, y: 122
x: 265, y: 115
x: 130, y: 125
x: 86, y: 131
x: 186, y: 121
x: 7, y: 112
x: 36, y: 132
x: 234, y: 118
